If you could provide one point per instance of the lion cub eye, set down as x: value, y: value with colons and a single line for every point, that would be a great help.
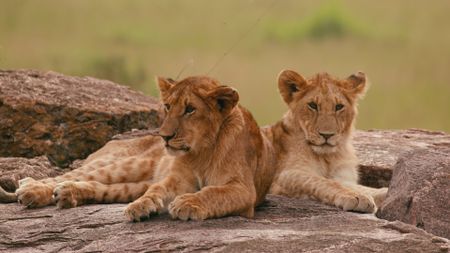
x: 189, y: 110
x: 312, y: 105
x: 339, y: 107
x: 167, y: 107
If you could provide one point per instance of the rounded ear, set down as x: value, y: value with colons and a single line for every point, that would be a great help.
x: 164, y: 84
x: 356, y: 84
x: 224, y: 98
x: 290, y: 82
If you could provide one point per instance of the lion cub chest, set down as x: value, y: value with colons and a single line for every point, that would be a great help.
x: 327, y: 167
x: 316, y: 167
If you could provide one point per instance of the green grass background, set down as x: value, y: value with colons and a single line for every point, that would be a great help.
x: 403, y: 47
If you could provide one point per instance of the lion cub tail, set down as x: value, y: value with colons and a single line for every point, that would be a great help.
x: 7, y: 197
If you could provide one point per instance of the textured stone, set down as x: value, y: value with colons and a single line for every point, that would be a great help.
x: 66, y: 118
x: 379, y: 150
x: 420, y: 191
x: 280, y: 225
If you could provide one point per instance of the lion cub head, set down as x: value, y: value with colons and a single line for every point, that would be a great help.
x: 195, y: 109
x: 322, y: 107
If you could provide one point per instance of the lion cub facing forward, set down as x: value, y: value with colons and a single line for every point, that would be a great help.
x: 211, y: 161
x: 313, y: 141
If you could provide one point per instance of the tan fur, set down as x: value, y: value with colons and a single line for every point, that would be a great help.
x: 313, y: 145
x: 222, y: 164
x: 211, y: 161
x: 120, y: 172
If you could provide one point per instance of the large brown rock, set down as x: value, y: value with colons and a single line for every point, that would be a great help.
x: 379, y: 151
x: 280, y: 225
x: 419, y: 193
x: 66, y: 118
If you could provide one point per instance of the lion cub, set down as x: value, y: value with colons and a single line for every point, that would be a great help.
x: 210, y: 160
x: 220, y: 163
x: 313, y: 145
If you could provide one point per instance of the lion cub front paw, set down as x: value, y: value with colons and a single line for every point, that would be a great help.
x: 66, y: 195
x: 143, y: 207
x: 188, y: 206
x: 355, y: 202
x: 33, y: 193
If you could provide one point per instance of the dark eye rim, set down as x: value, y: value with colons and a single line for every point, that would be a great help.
x: 313, y: 106
x: 339, y: 107
x: 189, y: 110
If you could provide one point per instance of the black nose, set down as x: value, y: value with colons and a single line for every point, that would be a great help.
x: 167, y: 137
x: 326, y: 135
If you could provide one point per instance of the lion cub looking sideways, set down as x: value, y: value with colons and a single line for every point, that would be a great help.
x: 210, y: 161
x: 313, y: 145
x: 220, y: 163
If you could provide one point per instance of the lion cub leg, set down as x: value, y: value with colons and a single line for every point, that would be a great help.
x: 69, y: 194
x: 329, y: 191
x: 214, y: 201
x: 378, y: 194
x: 130, y: 169
x: 32, y: 193
x: 157, y: 196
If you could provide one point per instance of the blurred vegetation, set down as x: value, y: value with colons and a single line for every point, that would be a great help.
x: 327, y: 22
x: 403, y: 47
x: 116, y: 68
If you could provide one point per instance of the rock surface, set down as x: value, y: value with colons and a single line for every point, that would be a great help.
x: 66, y: 118
x: 420, y: 191
x: 280, y: 225
x: 379, y: 151
x: 12, y: 169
